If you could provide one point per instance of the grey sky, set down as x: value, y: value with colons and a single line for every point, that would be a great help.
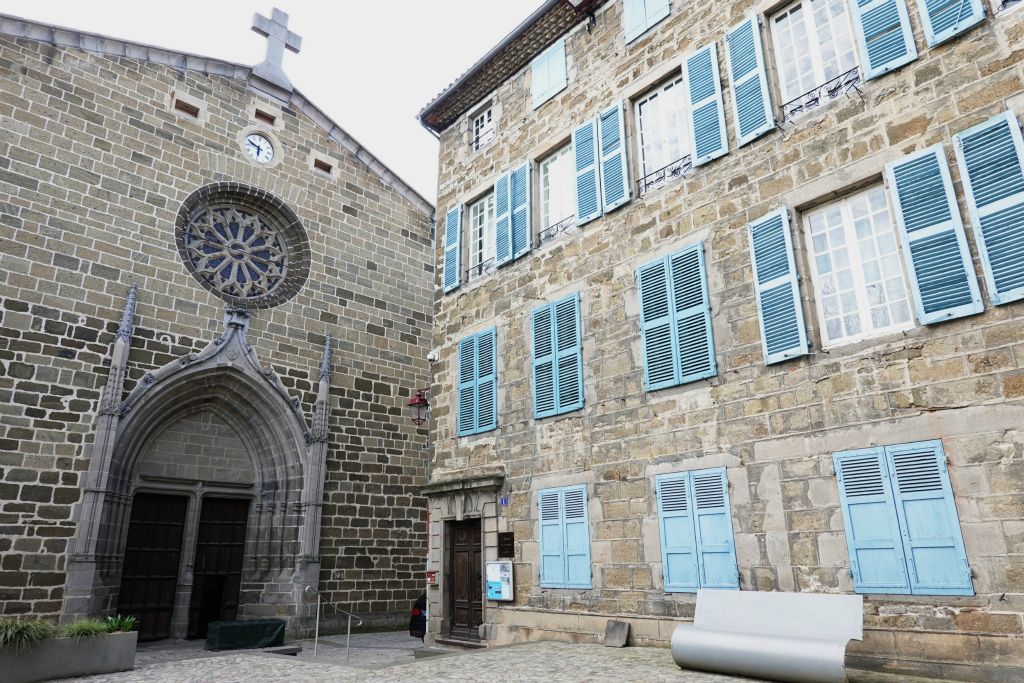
x: 371, y: 65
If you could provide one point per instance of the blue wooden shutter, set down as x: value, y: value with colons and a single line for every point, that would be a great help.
x: 552, y: 544
x: 640, y: 15
x: 716, y: 551
x: 569, y: 354
x: 692, y: 314
x: 548, y: 74
x: 991, y: 159
x: 778, y: 289
x: 577, y: 537
x: 588, y: 184
x: 884, y: 35
x: 751, y: 105
x: 944, y: 19
x: 520, y: 192
x: 467, y: 386
x: 934, y: 245
x: 678, y: 543
x: 615, y: 187
x: 544, y: 403
x: 872, y: 529
x: 487, y: 380
x: 660, y: 361
x: 932, y: 541
x: 705, y: 115
x: 502, y: 219
x: 452, y: 243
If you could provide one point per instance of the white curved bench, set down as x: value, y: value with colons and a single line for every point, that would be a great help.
x: 798, y: 637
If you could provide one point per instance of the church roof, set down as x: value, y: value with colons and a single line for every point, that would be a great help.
x: 106, y: 45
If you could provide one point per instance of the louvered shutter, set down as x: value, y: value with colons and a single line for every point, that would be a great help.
x: 692, y: 314
x: 678, y: 543
x: 487, y: 381
x: 660, y: 362
x: 944, y: 19
x: 934, y: 245
x: 778, y: 290
x: 577, y: 537
x: 751, y: 105
x: 568, y: 350
x: 520, y: 193
x: 552, y: 545
x: 467, y: 386
x: 705, y: 115
x: 452, y: 243
x: 502, y: 220
x: 716, y: 551
x: 932, y: 541
x: 991, y: 159
x: 544, y: 403
x: 869, y: 515
x: 884, y: 35
x: 588, y: 185
x: 615, y: 187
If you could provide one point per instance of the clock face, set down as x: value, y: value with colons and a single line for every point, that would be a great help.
x: 259, y: 148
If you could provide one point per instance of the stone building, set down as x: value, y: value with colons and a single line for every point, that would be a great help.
x: 215, y: 305
x: 729, y: 297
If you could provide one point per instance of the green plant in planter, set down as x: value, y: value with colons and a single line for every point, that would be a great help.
x: 85, y: 628
x: 119, y: 623
x: 23, y: 633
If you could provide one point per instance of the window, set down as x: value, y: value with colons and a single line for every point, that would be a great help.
x: 664, y: 152
x: 814, y: 44
x: 481, y: 237
x: 902, y: 528
x: 557, y: 193
x: 557, y: 358
x: 640, y: 15
x: 547, y: 74
x: 483, y: 128
x: 860, y: 289
x: 478, y: 383
x: 697, y: 547
x: 564, y: 538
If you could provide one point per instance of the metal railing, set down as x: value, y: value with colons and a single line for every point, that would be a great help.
x: 558, y: 228
x: 656, y: 179
x: 1006, y: 4
x: 481, y: 269
x: 830, y: 89
x: 348, y: 636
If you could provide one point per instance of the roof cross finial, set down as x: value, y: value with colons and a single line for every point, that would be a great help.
x: 275, y: 30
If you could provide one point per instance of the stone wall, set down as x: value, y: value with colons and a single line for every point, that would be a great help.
x: 94, y: 164
x: 202, y: 448
x: 773, y: 427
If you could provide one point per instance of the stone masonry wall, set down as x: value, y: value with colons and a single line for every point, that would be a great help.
x: 94, y: 164
x: 773, y: 427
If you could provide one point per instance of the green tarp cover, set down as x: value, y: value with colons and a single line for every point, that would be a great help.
x: 233, y: 635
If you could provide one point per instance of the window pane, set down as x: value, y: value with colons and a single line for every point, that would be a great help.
x: 557, y: 189
x: 792, y: 50
x: 481, y: 236
x: 814, y: 43
x: 661, y: 127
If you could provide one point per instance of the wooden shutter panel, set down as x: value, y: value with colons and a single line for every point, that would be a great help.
x: 615, y: 187
x: 502, y: 219
x: 540, y: 80
x: 705, y: 115
x: 751, y: 105
x: 558, y: 75
x: 588, y: 185
x: 552, y: 545
x: 991, y: 160
x: 634, y: 18
x: 452, y: 244
x: 678, y: 543
x: 884, y: 35
x: 778, y: 290
x: 932, y: 541
x: 577, y: 537
x: 934, y: 245
x: 467, y: 386
x: 487, y: 381
x: 869, y: 516
x: 520, y: 194
x: 569, y: 354
x: 544, y: 403
x: 660, y: 361
x: 692, y: 315
x: 944, y: 19
x: 716, y: 551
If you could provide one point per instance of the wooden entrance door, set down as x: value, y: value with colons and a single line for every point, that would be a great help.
x: 149, y: 573
x: 465, y: 594
x: 217, y: 575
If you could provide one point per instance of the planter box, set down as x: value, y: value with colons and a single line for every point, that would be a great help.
x: 69, y: 657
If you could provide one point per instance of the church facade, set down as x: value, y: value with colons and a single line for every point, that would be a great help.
x: 215, y: 306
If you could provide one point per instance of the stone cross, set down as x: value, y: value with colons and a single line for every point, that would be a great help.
x: 275, y: 30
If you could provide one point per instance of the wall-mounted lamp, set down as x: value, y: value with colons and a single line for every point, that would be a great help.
x: 419, y: 406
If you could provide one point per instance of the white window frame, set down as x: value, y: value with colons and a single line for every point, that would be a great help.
x: 666, y: 124
x: 813, y: 41
x: 857, y: 270
x: 480, y: 237
x: 564, y: 153
x: 481, y: 127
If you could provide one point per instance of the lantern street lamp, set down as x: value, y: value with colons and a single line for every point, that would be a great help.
x: 419, y: 406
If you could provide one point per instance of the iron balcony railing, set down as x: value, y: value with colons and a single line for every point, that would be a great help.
x: 485, y: 268
x: 831, y: 89
x: 1007, y: 4
x: 558, y: 228
x: 656, y: 179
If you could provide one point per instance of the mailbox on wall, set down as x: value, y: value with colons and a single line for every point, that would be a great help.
x: 431, y: 578
x: 499, y: 580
